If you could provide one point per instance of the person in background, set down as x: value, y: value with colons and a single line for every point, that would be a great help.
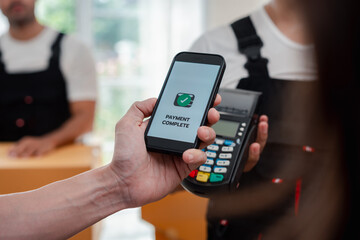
x: 331, y: 192
x: 134, y: 177
x: 270, y: 52
x: 333, y: 208
x: 47, y: 84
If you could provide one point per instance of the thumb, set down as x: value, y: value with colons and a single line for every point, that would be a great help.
x: 194, y: 158
x: 141, y: 109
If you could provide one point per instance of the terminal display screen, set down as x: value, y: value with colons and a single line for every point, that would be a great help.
x: 226, y: 128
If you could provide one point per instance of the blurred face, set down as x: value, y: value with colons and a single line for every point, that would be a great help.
x: 18, y: 12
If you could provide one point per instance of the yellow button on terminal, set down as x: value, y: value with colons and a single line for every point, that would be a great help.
x: 202, y: 177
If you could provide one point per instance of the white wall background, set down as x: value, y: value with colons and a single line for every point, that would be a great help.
x: 220, y: 12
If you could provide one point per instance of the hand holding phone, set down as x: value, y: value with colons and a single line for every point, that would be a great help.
x: 187, y: 95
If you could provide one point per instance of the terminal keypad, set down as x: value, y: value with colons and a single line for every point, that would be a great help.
x: 219, y: 156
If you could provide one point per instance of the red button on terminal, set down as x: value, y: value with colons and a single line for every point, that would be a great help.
x: 194, y: 173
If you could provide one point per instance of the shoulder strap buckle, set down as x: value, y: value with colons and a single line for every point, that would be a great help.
x: 250, y: 46
x: 249, y: 43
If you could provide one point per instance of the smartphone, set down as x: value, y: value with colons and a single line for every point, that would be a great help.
x: 187, y: 95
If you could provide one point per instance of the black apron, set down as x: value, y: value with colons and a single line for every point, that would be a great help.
x: 289, y: 106
x: 33, y: 104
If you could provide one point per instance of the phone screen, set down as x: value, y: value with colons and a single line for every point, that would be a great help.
x: 184, y: 101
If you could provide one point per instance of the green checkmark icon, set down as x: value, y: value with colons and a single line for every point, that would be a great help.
x: 184, y: 100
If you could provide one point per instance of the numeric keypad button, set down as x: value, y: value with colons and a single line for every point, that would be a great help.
x: 211, y: 154
x: 205, y: 168
x: 209, y: 161
x: 213, y: 147
x: 222, y: 162
x: 227, y: 149
x: 219, y: 141
x: 225, y: 155
x: 220, y: 169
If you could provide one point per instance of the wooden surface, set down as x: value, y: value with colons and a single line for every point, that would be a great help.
x: 20, y: 174
x: 76, y: 155
x: 179, y: 216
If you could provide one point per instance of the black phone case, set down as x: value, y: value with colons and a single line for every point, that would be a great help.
x: 177, y: 147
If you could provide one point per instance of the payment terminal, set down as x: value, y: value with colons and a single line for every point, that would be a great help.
x: 226, y: 157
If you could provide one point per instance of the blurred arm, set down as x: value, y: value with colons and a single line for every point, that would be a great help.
x: 81, y: 121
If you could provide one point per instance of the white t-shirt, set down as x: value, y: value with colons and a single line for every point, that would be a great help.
x: 76, y: 61
x: 287, y: 59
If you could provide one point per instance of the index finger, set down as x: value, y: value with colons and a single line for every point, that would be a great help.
x: 262, y: 134
x: 217, y: 100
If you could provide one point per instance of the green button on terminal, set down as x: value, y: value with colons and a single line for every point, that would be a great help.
x: 216, y: 177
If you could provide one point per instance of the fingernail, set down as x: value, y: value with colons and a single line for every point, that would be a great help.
x: 208, y: 134
x: 204, y: 158
x: 264, y: 130
x: 190, y: 158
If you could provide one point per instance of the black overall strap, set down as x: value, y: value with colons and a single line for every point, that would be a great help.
x: 55, y: 49
x: 55, y: 53
x: 250, y: 44
x: 2, y: 65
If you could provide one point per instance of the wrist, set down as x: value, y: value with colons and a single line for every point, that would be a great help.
x: 51, y: 140
x: 116, y: 191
